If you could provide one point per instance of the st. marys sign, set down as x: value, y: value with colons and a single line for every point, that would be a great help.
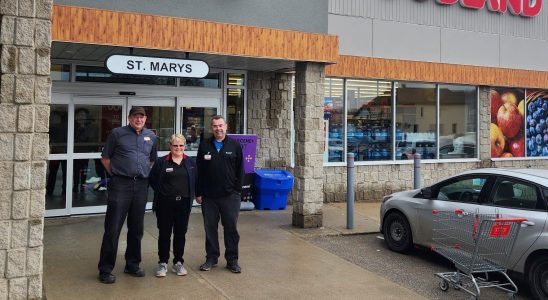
x: 143, y: 65
x: 525, y: 8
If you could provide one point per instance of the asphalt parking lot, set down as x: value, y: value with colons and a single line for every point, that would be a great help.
x: 414, y: 271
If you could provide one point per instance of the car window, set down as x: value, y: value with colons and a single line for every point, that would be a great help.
x: 514, y: 193
x: 465, y: 189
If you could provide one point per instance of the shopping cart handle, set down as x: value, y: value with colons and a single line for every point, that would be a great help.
x: 517, y: 220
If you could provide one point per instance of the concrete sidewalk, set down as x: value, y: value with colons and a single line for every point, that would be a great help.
x: 276, y: 262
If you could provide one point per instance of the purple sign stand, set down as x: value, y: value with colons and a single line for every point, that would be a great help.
x: 249, y: 152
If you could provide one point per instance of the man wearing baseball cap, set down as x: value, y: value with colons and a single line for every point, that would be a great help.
x: 127, y: 156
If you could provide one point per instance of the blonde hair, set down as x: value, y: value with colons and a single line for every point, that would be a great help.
x: 177, y: 136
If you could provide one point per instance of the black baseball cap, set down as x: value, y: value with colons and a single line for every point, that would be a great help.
x: 137, y: 110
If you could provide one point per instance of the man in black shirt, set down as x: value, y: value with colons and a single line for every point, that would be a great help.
x: 128, y: 156
x: 220, y: 175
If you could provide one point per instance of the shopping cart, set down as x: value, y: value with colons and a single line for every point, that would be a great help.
x: 479, y: 245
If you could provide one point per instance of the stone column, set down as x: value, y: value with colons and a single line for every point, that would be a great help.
x: 308, y: 108
x: 25, y: 39
x: 269, y: 116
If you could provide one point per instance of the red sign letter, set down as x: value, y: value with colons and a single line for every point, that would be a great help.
x: 447, y: 1
x: 476, y: 4
x: 531, y: 10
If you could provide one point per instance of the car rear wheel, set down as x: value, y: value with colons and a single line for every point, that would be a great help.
x: 538, y: 278
x: 397, y: 232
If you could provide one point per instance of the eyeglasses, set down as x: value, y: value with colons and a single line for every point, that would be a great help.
x: 178, y: 146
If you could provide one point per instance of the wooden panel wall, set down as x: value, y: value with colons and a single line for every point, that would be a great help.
x: 104, y: 27
x: 392, y: 69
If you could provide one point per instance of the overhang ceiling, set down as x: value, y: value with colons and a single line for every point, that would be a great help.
x: 97, y: 54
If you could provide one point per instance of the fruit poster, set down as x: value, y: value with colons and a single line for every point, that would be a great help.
x: 536, y: 125
x: 507, y: 122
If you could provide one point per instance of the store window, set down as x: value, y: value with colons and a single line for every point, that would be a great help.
x: 235, y: 79
x: 235, y: 102
x: 369, y: 119
x: 60, y: 72
x: 458, y: 121
x: 101, y: 74
x: 212, y: 80
x: 416, y: 120
x: 334, y: 120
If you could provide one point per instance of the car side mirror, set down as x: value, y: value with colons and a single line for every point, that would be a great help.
x: 426, y: 192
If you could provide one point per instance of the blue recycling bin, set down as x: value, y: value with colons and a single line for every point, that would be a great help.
x: 272, y: 188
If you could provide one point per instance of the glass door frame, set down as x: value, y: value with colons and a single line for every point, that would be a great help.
x: 195, y: 102
x: 152, y: 101
x: 70, y: 156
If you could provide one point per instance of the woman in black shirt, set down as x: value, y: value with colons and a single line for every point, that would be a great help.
x: 173, y: 178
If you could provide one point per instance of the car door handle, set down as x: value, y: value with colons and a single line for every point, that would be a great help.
x: 527, y: 223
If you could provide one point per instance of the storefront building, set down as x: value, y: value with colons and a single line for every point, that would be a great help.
x: 464, y: 83
x: 399, y: 75
x: 432, y: 76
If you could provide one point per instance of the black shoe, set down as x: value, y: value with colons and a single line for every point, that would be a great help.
x: 107, y: 278
x: 208, y: 265
x: 234, y: 267
x: 135, y: 273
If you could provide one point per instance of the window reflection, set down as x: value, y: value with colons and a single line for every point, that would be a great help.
x: 196, y: 125
x: 60, y: 72
x: 212, y: 80
x: 58, y: 126
x: 89, y: 183
x: 415, y: 120
x: 101, y: 74
x: 93, y: 124
x: 56, y: 184
x: 235, y: 110
x: 334, y: 120
x: 161, y: 120
x: 458, y: 121
x: 369, y: 119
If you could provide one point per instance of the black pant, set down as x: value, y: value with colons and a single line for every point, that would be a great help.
x: 126, y: 197
x: 228, y: 209
x: 172, y: 216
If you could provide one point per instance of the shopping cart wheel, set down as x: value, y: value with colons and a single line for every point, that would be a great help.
x: 444, y: 285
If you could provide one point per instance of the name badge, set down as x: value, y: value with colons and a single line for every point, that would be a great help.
x: 168, y: 170
x: 147, y: 138
x: 228, y: 153
x: 207, y: 156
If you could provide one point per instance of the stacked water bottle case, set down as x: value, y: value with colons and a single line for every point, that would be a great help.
x: 423, y: 142
x: 370, y: 140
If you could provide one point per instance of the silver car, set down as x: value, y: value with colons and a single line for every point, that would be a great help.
x: 406, y: 217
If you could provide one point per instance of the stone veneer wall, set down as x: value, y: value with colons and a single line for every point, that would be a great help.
x: 308, y: 196
x: 24, y: 120
x: 268, y: 116
x: 375, y: 181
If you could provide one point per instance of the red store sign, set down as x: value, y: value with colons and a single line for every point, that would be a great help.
x: 526, y: 8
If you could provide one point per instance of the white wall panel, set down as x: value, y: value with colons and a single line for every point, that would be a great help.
x: 428, y: 12
x: 355, y: 34
x: 469, y: 48
x: 406, y: 41
x: 521, y: 53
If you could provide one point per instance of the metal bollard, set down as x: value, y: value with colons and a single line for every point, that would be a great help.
x: 417, y: 171
x: 350, y: 175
